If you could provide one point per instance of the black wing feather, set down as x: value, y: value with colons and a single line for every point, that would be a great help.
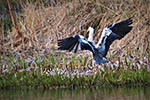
x: 71, y: 42
x: 67, y: 43
x: 122, y: 28
x: 76, y: 48
x: 86, y: 47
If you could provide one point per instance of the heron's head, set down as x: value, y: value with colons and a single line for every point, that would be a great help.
x: 90, y: 31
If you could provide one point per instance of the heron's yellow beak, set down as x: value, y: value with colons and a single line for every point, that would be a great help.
x: 87, y: 30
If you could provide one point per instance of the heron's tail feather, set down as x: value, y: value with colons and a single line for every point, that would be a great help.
x: 100, y: 61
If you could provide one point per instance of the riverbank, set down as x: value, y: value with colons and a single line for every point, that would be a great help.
x: 57, y: 79
x: 49, y: 72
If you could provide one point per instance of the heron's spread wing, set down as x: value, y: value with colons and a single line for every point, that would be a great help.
x: 71, y: 42
x: 67, y: 43
x: 122, y: 28
x: 113, y: 32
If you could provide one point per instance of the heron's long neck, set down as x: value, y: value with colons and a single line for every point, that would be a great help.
x: 101, y: 38
x: 90, y: 38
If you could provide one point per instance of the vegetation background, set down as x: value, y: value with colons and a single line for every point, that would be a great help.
x: 42, y: 22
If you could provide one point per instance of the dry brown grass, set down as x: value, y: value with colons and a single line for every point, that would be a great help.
x: 43, y: 26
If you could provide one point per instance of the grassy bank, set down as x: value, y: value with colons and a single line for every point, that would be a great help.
x: 35, y: 80
x: 31, y: 60
x: 48, y: 74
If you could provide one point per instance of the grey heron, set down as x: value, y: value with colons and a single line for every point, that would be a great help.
x: 109, y: 34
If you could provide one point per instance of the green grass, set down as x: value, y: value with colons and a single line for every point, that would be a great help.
x: 40, y: 79
x: 36, y: 80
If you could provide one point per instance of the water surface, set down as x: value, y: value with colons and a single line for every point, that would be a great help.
x: 115, y: 93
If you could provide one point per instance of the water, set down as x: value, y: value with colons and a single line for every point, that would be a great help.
x: 121, y: 93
